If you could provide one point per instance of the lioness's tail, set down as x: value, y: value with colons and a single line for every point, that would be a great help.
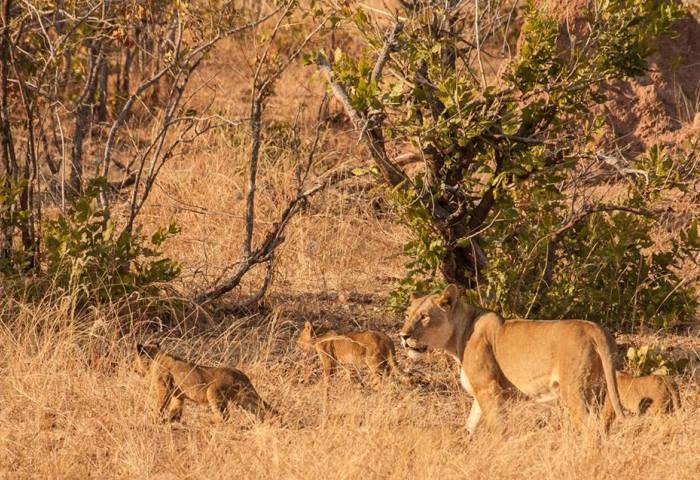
x: 606, y: 347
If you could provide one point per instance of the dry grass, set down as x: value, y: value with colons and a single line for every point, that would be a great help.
x: 70, y: 413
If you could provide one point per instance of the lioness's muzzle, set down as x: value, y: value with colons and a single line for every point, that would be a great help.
x: 405, y: 338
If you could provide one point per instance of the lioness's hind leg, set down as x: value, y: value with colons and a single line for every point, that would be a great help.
x: 218, y: 403
x: 573, y: 400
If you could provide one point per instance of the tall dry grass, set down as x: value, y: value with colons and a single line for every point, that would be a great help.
x: 72, y: 408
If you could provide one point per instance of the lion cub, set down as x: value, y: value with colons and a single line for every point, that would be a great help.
x: 174, y: 380
x: 372, y: 349
x: 638, y: 395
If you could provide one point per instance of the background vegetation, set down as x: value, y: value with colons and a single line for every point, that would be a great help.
x: 211, y: 174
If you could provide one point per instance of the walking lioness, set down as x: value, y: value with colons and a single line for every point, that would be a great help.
x: 568, y: 359
x: 174, y: 380
x: 650, y: 393
x: 375, y: 350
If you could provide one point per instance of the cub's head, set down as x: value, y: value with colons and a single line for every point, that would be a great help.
x: 429, y: 322
x: 144, y: 356
x: 305, y: 340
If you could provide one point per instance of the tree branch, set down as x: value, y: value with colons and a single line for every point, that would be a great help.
x: 390, y: 45
x: 369, y: 126
x: 274, y: 236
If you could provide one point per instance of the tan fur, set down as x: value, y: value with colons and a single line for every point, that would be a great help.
x: 651, y: 393
x: 174, y: 380
x: 570, y: 360
x: 370, y: 349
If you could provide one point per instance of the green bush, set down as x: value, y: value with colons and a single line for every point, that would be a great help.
x: 14, y: 258
x: 648, y: 361
x: 86, y: 255
x: 502, y: 208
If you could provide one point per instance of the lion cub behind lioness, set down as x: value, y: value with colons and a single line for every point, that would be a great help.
x: 369, y: 348
x: 648, y: 394
x: 174, y: 380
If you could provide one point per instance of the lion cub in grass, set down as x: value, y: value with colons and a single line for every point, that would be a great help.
x: 650, y: 393
x: 370, y: 349
x: 175, y: 380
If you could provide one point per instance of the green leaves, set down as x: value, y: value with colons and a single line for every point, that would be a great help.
x: 503, y: 156
x: 649, y: 361
x: 84, y: 254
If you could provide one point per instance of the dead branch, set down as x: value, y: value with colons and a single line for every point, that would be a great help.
x: 274, y: 236
x: 390, y: 45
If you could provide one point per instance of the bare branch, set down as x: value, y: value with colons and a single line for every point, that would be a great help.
x: 274, y: 237
x: 235, y: 308
x: 390, y: 45
x: 370, y: 127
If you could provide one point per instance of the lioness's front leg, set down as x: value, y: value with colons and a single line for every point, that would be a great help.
x: 327, y: 364
x: 474, y: 417
x: 483, y: 375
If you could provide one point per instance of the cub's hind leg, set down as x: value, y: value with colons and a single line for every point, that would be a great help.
x: 378, y: 368
x: 175, y: 408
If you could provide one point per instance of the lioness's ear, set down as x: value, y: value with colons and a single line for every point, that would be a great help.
x: 307, y: 325
x: 450, y: 296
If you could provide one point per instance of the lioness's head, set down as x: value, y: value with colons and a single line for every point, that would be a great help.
x: 305, y: 340
x: 429, y: 322
x: 144, y: 356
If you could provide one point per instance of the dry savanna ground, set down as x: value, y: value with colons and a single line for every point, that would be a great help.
x: 72, y: 407
x: 71, y: 413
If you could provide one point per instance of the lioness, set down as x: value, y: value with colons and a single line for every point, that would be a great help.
x: 544, y: 360
x: 372, y: 349
x: 650, y: 393
x: 173, y: 380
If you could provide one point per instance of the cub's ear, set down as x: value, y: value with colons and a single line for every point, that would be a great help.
x: 450, y: 296
x: 307, y: 325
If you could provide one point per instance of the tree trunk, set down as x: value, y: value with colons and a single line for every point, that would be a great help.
x: 83, y: 120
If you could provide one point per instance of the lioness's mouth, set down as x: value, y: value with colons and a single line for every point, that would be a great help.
x: 418, y: 349
x: 405, y: 342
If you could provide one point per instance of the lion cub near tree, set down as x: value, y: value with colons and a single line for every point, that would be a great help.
x: 651, y: 393
x: 175, y: 380
x: 369, y: 348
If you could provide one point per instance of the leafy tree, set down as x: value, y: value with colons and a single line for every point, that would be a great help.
x: 505, y: 206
